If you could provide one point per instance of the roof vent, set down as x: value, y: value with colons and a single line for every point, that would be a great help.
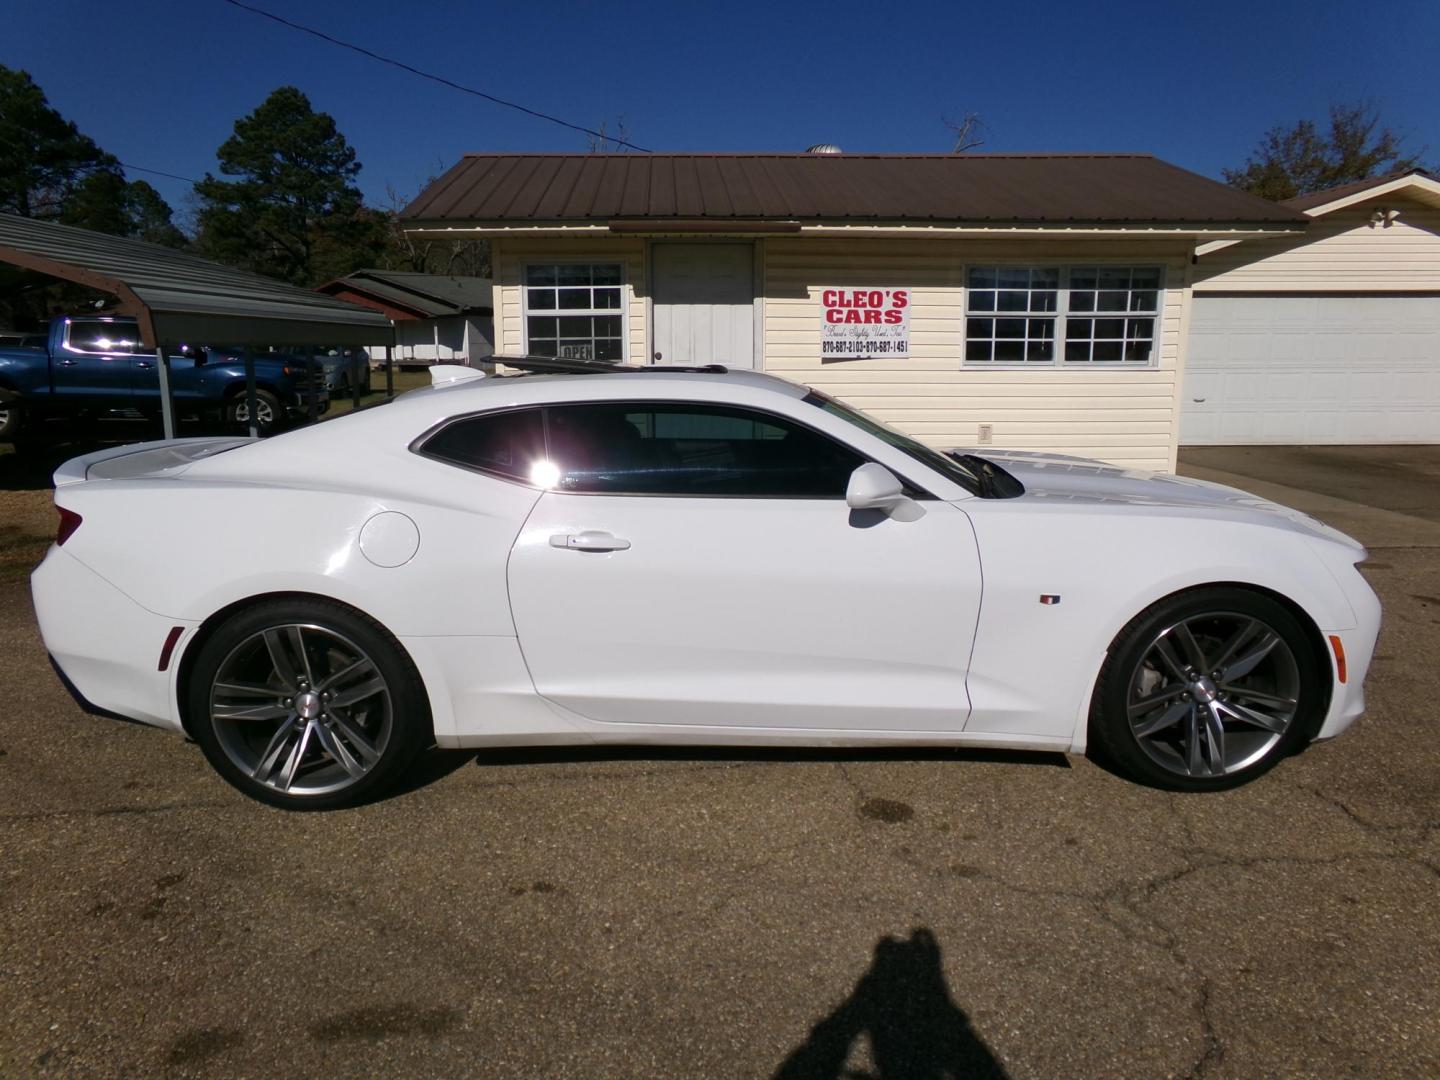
x: 823, y: 148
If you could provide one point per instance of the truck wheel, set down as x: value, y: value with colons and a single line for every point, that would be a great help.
x: 267, y: 411
x: 11, y: 419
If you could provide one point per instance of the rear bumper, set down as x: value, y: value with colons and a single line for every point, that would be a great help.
x: 106, y: 645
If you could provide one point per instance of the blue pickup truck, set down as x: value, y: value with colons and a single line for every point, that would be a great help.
x: 96, y: 366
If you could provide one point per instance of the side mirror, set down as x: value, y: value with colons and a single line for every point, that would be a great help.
x: 874, y: 487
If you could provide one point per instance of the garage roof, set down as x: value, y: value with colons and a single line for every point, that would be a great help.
x: 179, y: 297
x: 1036, y: 190
x: 418, y: 295
x: 1417, y: 183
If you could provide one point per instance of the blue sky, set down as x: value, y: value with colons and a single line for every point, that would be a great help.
x: 159, y: 83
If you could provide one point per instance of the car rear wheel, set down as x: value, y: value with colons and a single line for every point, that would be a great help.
x: 306, y: 704
x: 1207, y: 690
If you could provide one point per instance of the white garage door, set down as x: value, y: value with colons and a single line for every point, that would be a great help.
x: 1312, y: 369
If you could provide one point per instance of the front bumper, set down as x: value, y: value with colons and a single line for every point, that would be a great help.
x: 107, y: 646
x: 1347, y: 699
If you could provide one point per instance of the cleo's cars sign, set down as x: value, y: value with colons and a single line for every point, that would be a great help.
x: 860, y: 323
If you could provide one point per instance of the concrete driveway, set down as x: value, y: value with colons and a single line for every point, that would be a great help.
x: 693, y: 914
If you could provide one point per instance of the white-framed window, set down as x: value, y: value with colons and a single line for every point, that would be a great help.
x: 575, y: 310
x: 1056, y: 316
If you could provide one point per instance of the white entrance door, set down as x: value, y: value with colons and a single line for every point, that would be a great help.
x: 704, y: 304
x: 1312, y: 369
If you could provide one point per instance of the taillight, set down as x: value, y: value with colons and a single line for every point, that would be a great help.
x: 69, y: 522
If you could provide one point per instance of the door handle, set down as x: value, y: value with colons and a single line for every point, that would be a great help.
x: 590, y: 540
x: 67, y: 362
x: 143, y: 364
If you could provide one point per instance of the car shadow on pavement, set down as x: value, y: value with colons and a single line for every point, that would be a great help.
x: 436, y: 764
x: 902, y: 1009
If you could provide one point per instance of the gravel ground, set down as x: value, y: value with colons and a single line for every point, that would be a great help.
x: 802, y: 915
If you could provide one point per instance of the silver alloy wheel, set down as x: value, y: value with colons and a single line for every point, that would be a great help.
x: 301, y: 709
x: 263, y: 411
x: 1213, y: 694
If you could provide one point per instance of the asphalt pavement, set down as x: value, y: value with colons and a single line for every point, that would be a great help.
x: 726, y: 914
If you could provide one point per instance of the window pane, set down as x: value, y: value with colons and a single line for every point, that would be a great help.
x: 572, y: 275
x: 1142, y: 301
x: 605, y: 274
x: 540, y: 326
x: 607, y: 298
x: 1082, y: 301
x: 575, y: 326
x: 505, y: 443
x: 608, y: 349
x: 980, y: 328
x: 1145, y: 278
x: 981, y: 277
x: 1009, y: 328
x: 693, y: 450
x: 1009, y: 352
x: 1014, y: 277
x: 1041, y: 328
x: 543, y: 347
x: 982, y: 301
x: 1079, y: 328
x: 575, y: 299
x: 1014, y: 301
x: 1042, y: 301
x: 1109, y: 328
x: 977, y: 351
x: 1114, y: 277
x: 104, y: 337
x: 1106, y: 351
x: 1040, y: 351
x: 1045, y: 277
x: 607, y: 326
x: 1137, y: 352
x: 540, y: 275
x: 540, y: 299
x: 1077, y: 351
x: 1140, y: 328
x: 1113, y: 301
x: 1082, y: 277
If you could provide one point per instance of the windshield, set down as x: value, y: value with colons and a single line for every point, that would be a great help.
x: 947, y: 467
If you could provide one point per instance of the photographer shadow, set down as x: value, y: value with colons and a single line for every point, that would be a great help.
x: 914, y: 1028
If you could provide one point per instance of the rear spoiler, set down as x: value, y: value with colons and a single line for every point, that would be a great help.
x: 164, y: 457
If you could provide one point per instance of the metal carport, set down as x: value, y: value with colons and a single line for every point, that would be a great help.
x: 179, y: 298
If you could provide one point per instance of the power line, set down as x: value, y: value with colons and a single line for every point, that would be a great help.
x: 140, y: 168
x: 157, y: 172
x: 433, y: 78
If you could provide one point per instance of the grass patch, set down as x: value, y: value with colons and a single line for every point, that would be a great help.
x: 20, y: 552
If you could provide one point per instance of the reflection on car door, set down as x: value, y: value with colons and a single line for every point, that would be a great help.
x: 697, y: 565
x: 94, y: 367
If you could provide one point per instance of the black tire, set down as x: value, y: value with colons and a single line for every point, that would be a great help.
x: 254, y: 753
x: 1222, y: 735
x: 267, y: 405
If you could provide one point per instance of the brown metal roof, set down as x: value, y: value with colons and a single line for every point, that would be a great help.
x: 1328, y: 195
x: 1012, y: 189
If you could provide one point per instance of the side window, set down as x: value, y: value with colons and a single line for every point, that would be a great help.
x: 645, y: 448
x: 509, y: 444
x: 103, y: 337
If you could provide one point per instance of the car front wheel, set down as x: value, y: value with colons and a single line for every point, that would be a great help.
x: 306, y: 704
x: 1207, y: 690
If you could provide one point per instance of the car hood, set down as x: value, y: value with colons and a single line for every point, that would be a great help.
x: 1085, y: 480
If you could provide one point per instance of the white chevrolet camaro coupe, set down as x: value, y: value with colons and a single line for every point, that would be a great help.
x: 651, y: 555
